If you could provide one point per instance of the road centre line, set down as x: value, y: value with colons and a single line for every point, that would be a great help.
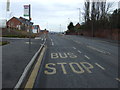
x: 79, y: 51
x: 74, y: 48
x: 87, y: 57
x: 100, y: 66
x: 38, y: 38
x: 52, y: 43
x: 51, y: 40
x: 117, y: 79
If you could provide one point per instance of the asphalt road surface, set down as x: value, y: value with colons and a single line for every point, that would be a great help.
x: 15, y: 57
x: 78, y: 62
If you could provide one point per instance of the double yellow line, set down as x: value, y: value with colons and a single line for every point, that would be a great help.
x: 32, y: 78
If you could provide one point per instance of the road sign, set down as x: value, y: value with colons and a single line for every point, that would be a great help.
x: 26, y: 10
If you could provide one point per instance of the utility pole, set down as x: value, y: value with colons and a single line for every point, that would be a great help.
x: 29, y: 25
x: 79, y: 14
x: 68, y: 21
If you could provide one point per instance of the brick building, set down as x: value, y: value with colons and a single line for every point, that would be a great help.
x: 36, y: 28
x: 19, y: 23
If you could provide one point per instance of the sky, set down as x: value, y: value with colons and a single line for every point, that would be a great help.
x: 53, y: 15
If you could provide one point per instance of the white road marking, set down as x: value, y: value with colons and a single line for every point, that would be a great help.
x: 38, y: 38
x: 28, y: 42
x: 100, y: 66
x: 79, y: 51
x: 101, y: 51
x: 78, y: 42
x: 52, y: 44
x: 86, y: 56
x: 51, y: 40
x: 118, y: 79
x: 74, y: 48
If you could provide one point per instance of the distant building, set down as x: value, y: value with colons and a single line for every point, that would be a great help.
x: 36, y: 29
x: 44, y: 31
x: 19, y: 23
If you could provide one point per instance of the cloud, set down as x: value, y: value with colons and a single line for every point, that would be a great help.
x: 48, y: 13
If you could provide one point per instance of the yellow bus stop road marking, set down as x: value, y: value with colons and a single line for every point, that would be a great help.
x: 34, y: 73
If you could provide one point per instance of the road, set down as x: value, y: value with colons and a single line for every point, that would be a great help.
x: 15, y: 57
x: 78, y: 62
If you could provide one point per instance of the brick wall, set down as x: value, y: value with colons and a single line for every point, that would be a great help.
x: 13, y: 23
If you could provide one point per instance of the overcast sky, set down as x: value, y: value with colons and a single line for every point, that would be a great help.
x: 47, y: 13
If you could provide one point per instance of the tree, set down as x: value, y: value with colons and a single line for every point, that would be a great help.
x: 87, y: 10
x: 71, y: 27
x: 114, y: 19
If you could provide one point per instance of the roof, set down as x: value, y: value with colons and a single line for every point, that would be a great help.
x: 24, y: 21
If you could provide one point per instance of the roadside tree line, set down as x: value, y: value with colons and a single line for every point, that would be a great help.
x: 97, y: 16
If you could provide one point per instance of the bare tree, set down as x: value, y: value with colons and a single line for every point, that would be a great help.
x: 87, y: 10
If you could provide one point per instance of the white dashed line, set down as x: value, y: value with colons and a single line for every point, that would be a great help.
x: 38, y: 38
x: 74, y: 48
x: 29, y: 42
x: 52, y: 44
x: 86, y: 56
x: 118, y: 79
x: 101, y: 51
x: 78, y: 42
x: 100, y: 66
x: 51, y: 40
x: 79, y: 51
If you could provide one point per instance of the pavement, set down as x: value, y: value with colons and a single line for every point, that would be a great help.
x: 15, y: 57
x: 78, y: 62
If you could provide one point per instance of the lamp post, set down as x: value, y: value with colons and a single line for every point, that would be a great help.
x: 79, y: 14
x: 60, y: 28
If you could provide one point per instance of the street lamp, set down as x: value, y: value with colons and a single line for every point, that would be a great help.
x: 79, y: 14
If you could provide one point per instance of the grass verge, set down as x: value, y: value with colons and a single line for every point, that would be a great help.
x: 3, y: 43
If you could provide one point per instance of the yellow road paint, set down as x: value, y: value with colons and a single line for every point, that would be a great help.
x: 34, y: 73
x: 78, y: 68
x: 100, y: 66
x: 64, y: 55
x: 63, y: 67
x: 87, y: 66
x: 50, y: 68
x: 71, y: 55
x: 76, y: 71
x: 54, y: 55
